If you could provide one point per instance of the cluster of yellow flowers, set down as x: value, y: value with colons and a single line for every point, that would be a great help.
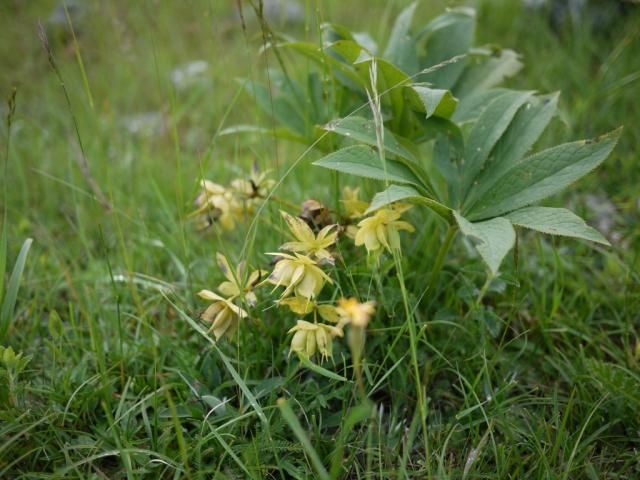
x: 232, y: 204
x: 380, y: 230
x: 300, y: 272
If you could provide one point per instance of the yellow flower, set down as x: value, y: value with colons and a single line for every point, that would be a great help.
x: 257, y: 186
x: 238, y: 283
x: 310, y: 338
x: 353, y: 206
x: 381, y: 229
x: 299, y: 274
x: 222, y: 314
x: 307, y: 242
x: 304, y: 306
x: 217, y: 203
x: 355, y: 313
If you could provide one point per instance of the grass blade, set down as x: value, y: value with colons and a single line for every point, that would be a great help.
x: 320, y: 370
x: 298, y: 431
x: 234, y: 373
x: 9, y: 302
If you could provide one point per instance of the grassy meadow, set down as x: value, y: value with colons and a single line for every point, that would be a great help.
x: 535, y: 374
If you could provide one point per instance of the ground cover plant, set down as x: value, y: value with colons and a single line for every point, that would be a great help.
x: 237, y: 246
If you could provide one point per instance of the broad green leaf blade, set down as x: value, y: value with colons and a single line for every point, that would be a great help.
x: 294, y: 424
x: 282, y: 108
x: 398, y: 193
x: 364, y: 130
x: 491, y: 71
x: 11, y: 295
x: 471, y: 107
x: 446, y: 36
x: 525, y: 129
x: 543, y: 174
x: 364, y: 161
x: 431, y: 101
x: 556, y: 221
x: 448, y: 155
x: 227, y: 363
x: 494, y: 238
x: 401, y: 49
x: 486, y: 132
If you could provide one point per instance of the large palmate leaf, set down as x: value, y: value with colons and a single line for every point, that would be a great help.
x: 364, y: 161
x: 494, y: 238
x: 486, y: 132
x: 543, y: 174
x: 525, y: 129
x: 555, y: 221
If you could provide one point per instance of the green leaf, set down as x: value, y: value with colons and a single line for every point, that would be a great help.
x: 314, y: 367
x: 322, y: 58
x: 3, y: 252
x: 472, y: 106
x: 364, y: 161
x: 355, y: 415
x: 282, y: 108
x: 431, y: 101
x: 364, y: 130
x: 494, y: 238
x: 11, y: 295
x: 278, y: 132
x: 525, y: 129
x: 487, y: 131
x: 492, y: 70
x: 555, y: 221
x: 447, y: 36
x: 543, y: 174
x: 401, y: 49
x: 390, y: 79
x: 397, y: 193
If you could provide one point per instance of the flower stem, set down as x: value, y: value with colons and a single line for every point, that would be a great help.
x: 442, y: 253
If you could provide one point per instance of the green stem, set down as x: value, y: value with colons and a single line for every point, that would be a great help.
x: 413, y: 339
x: 442, y: 253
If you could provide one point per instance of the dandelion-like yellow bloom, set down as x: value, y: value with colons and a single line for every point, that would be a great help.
x: 355, y: 313
x: 299, y: 274
x: 382, y: 229
x: 308, y: 243
x: 353, y: 206
x: 223, y: 315
x: 310, y: 338
x: 238, y: 283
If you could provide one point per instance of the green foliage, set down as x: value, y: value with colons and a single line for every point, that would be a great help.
x: 10, y: 296
x: 417, y: 72
x: 530, y: 375
x: 486, y: 173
